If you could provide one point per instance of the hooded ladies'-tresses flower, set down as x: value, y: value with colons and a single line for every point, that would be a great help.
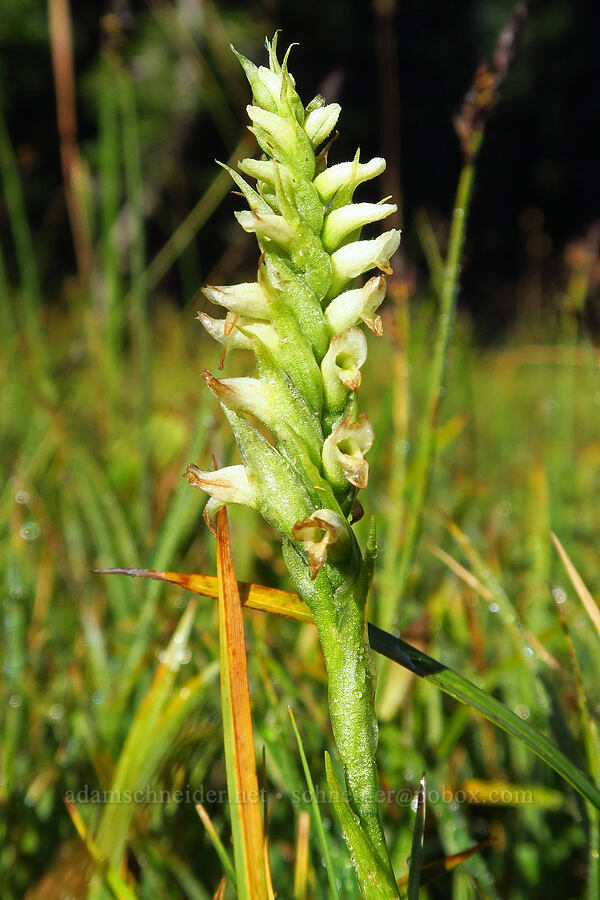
x: 303, y: 319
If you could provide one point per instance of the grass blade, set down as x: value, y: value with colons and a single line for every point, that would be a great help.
x: 316, y: 811
x: 301, y: 856
x: 591, y: 607
x: 416, y: 855
x: 240, y: 761
x: 373, y: 878
x: 253, y: 596
x: 466, y: 692
x: 432, y: 870
x: 444, y: 678
x: 118, y: 886
x: 217, y: 843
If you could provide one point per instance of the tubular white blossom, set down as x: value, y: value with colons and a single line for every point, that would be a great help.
x: 247, y: 299
x: 343, y: 221
x: 227, y: 485
x: 274, y: 126
x: 269, y: 226
x: 272, y: 82
x: 320, y: 122
x: 317, y: 533
x: 358, y: 304
x: 342, y: 364
x: 243, y: 333
x: 344, y: 449
x: 261, y: 169
x: 331, y: 180
x: 248, y: 395
x: 360, y: 256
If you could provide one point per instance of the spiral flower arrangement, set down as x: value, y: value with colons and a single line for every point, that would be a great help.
x: 303, y: 319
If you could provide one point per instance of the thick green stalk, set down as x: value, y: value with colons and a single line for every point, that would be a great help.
x: 342, y: 628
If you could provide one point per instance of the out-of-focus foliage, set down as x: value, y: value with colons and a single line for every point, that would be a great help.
x: 92, y: 461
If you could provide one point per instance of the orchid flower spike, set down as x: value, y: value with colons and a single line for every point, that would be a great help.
x: 302, y: 440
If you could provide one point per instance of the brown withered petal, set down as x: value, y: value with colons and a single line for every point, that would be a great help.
x: 230, y: 322
x: 351, y: 378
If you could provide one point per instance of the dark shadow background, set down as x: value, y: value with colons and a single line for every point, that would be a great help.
x: 540, y: 152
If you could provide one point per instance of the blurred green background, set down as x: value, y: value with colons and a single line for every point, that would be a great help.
x: 112, y: 217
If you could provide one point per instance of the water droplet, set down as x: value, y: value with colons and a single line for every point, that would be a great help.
x: 595, y: 853
x: 30, y: 531
x: 56, y: 711
x: 522, y: 711
x: 98, y: 697
x: 184, y: 656
x: 15, y: 701
x: 414, y: 803
x: 162, y: 656
x: 184, y: 693
x: 528, y: 651
x: 494, y: 608
x: 22, y: 497
x: 559, y: 595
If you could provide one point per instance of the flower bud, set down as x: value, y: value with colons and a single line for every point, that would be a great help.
x: 341, y: 366
x: 227, y: 485
x: 343, y: 221
x: 362, y: 303
x: 344, y: 449
x: 320, y: 122
x: 280, y: 139
x: 262, y: 91
x: 347, y: 174
x: 317, y: 533
x: 359, y: 256
x: 243, y: 335
x: 261, y: 169
x: 247, y: 299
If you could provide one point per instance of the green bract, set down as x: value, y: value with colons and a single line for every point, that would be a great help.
x: 303, y: 319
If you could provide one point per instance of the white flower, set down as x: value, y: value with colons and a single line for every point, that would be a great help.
x: 343, y: 452
x: 227, y: 485
x: 320, y: 122
x: 347, y: 173
x: 247, y: 299
x: 317, y: 533
x: 358, y: 304
x: 342, y: 364
x: 360, y: 256
x: 343, y: 221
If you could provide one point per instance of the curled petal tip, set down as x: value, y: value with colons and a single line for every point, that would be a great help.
x: 227, y: 485
x: 317, y: 533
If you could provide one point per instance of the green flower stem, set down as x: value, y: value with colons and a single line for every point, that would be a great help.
x: 342, y: 627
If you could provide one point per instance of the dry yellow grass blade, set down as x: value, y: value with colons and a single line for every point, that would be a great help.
x: 219, y: 894
x: 591, y: 607
x: 240, y: 761
x: 459, y: 570
x: 117, y: 884
x: 301, y: 862
x: 253, y: 596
